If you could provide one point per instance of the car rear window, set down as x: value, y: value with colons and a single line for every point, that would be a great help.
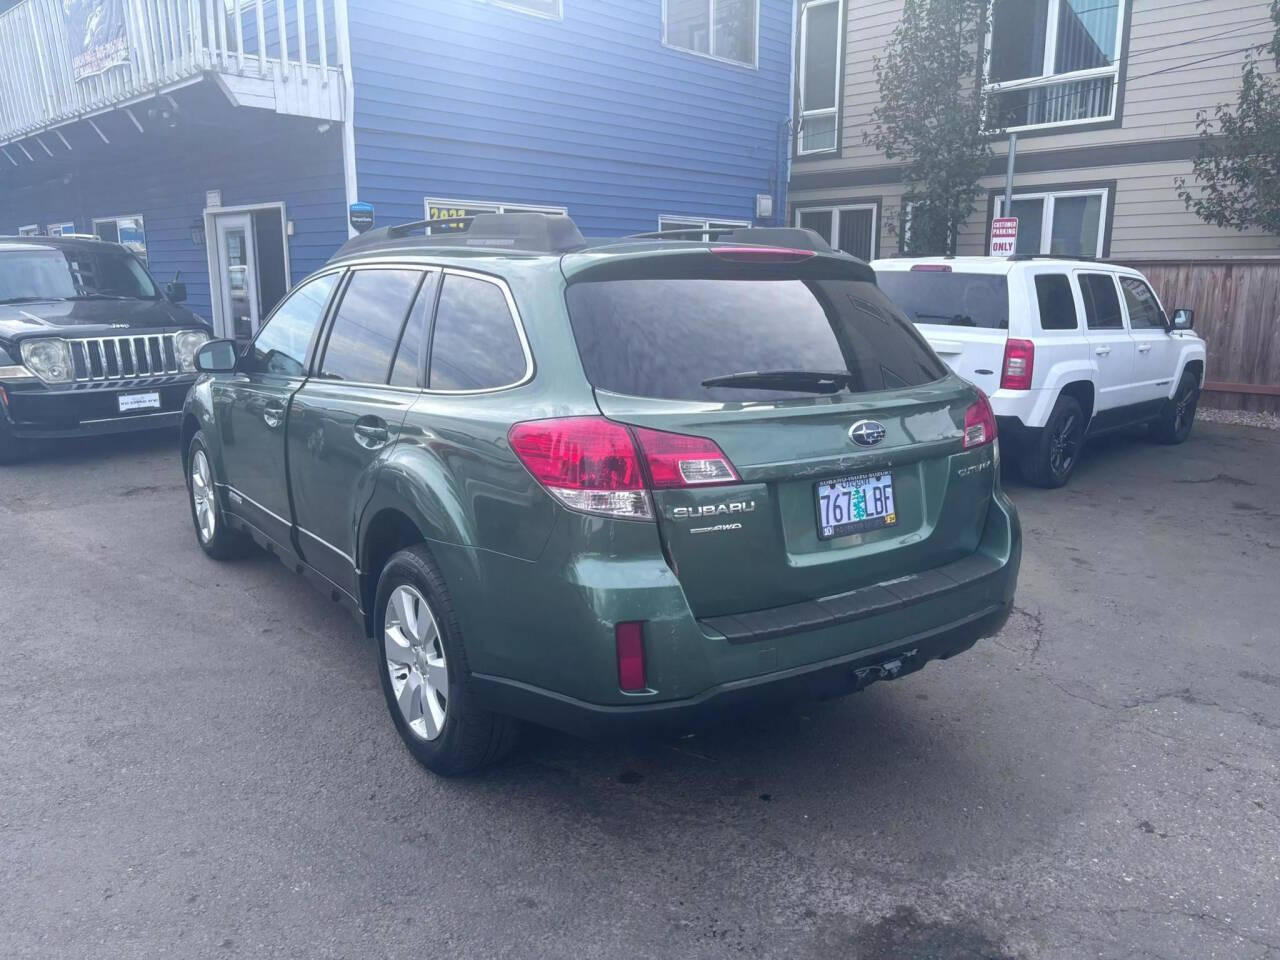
x: 949, y: 297
x: 663, y: 337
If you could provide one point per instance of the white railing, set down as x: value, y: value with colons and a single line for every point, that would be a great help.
x: 1078, y: 97
x: 169, y: 42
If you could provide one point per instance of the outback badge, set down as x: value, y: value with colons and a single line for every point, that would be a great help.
x: 867, y: 433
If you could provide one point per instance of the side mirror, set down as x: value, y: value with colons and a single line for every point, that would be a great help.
x: 1183, y: 319
x: 217, y: 356
x: 176, y: 292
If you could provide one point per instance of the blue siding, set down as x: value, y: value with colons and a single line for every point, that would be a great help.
x: 463, y: 99
x: 268, y: 159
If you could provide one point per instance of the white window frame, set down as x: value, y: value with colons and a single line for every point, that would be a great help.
x: 116, y: 220
x: 674, y: 221
x: 835, y: 212
x: 30, y: 230
x: 1046, y: 220
x: 754, y: 64
x: 490, y: 206
x: 520, y: 8
x: 60, y: 229
x: 1049, y: 78
x: 833, y: 111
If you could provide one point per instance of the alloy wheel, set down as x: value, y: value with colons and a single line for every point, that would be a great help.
x: 1064, y: 445
x: 202, y: 496
x: 1185, y: 408
x: 416, y: 662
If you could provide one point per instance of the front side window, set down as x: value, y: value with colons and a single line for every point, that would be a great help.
x: 475, y: 344
x: 1144, y: 308
x: 1057, y: 305
x: 129, y: 232
x: 1101, y: 302
x: 672, y: 339
x: 1054, y: 61
x: 1066, y: 224
x: 949, y: 298
x: 281, y: 345
x: 850, y: 229
x: 819, y: 80
x: 368, y: 323
x: 725, y: 29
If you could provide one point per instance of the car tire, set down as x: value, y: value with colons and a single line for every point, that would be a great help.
x: 1174, y: 425
x: 422, y: 664
x: 1049, y: 460
x: 213, y: 533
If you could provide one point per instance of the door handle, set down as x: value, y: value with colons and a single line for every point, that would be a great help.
x: 1144, y: 348
x: 372, y: 433
x: 273, y: 413
x: 1103, y: 351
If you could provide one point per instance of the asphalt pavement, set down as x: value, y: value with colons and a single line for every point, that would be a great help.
x: 196, y: 761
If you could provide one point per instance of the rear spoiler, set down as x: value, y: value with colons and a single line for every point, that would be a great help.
x: 717, y: 261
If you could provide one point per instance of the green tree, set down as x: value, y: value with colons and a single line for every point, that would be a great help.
x: 931, y: 113
x: 1237, y: 168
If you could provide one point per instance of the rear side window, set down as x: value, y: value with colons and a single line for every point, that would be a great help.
x: 367, y: 327
x: 475, y: 344
x: 1144, y: 309
x: 1057, y: 306
x: 664, y: 337
x: 954, y: 299
x: 1101, y: 303
x: 281, y: 345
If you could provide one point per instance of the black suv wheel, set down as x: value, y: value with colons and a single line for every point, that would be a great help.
x: 1051, y: 458
x: 1174, y: 425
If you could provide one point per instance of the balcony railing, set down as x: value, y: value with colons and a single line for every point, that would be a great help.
x: 1082, y: 96
x: 47, y: 78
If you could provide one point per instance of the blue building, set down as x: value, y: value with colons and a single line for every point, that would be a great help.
x: 226, y: 139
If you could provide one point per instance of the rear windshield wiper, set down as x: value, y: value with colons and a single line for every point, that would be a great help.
x: 30, y: 299
x: 815, y: 381
x: 955, y: 319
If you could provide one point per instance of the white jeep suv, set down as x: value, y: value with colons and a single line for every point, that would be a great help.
x: 1066, y: 349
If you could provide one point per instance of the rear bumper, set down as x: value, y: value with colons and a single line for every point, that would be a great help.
x: 829, y: 678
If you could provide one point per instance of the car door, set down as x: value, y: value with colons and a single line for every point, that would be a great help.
x: 252, y: 407
x: 1110, y: 346
x: 349, y: 413
x: 1156, y: 352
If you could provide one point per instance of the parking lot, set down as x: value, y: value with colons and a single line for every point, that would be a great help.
x: 197, y: 761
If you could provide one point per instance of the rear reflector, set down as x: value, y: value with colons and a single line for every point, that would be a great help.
x: 1019, y: 364
x: 676, y: 460
x: 979, y: 423
x: 763, y: 254
x: 630, y: 641
x: 931, y: 268
x: 587, y: 463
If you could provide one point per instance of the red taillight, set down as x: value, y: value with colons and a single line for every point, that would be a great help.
x: 763, y: 254
x: 676, y: 460
x: 630, y: 641
x: 979, y: 423
x: 1019, y: 363
x: 593, y: 464
x: 588, y: 463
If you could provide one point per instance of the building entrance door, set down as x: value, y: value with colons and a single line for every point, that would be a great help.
x: 251, y: 268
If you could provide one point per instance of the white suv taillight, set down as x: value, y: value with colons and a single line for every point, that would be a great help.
x: 1019, y: 364
x: 598, y: 466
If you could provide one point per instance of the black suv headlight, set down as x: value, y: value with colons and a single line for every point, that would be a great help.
x: 49, y: 359
x: 185, y: 345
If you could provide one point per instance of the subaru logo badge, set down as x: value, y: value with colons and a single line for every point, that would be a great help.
x: 867, y: 433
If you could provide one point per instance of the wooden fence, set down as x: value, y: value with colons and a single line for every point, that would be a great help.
x: 1237, y: 305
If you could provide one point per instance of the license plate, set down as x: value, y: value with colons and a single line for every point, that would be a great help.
x: 855, y: 504
x: 130, y: 402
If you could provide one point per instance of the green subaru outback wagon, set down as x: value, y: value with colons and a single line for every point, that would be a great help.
x: 609, y: 484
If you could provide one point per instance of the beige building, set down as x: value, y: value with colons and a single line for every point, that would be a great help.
x: 1102, y: 93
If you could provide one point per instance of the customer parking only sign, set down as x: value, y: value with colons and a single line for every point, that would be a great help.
x: 1004, y: 236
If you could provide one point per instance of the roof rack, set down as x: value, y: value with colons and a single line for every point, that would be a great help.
x: 1051, y: 256
x: 799, y: 238
x: 517, y: 232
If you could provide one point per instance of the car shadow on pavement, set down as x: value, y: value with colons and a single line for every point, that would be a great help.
x: 87, y: 450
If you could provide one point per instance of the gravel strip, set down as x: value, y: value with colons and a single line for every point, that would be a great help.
x: 1248, y: 418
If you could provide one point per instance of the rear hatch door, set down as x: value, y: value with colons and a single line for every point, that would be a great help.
x: 961, y: 310
x: 659, y: 335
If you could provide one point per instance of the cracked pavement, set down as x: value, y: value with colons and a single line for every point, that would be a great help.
x: 197, y: 761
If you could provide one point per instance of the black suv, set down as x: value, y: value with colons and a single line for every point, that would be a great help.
x: 88, y: 342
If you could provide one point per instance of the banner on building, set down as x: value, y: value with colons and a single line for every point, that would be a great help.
x: 96, y: 35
